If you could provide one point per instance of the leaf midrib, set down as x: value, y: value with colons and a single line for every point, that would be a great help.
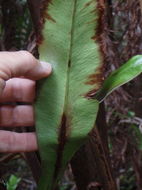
x: 62, y: 140
x: 70, y: 57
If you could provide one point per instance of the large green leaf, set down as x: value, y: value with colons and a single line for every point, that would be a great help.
x: 65, y: 113
x: 124, y: 74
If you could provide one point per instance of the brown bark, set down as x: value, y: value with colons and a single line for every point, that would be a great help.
x: 34, y: 6
x: 141, y: 5
x: 137, y: 165
x: 34, y: 164
x: 90, y: 164
x: 137, y: 154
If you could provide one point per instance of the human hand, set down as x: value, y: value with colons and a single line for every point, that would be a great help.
x: 18, y: 72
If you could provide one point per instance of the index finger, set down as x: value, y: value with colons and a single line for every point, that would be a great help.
x: 22, y: 63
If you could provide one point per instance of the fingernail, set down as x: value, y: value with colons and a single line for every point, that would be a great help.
x: 46, y: 66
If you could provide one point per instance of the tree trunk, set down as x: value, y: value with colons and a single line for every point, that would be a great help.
x: 90, y: 165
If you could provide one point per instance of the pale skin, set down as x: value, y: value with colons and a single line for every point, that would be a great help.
x: 18, y: 74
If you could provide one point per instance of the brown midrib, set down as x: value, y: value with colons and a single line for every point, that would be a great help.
x: 63, y: 129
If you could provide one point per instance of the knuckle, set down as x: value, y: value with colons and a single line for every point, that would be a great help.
x: 28, y: 57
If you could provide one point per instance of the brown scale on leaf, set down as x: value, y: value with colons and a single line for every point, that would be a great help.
x: 99, y: 37
x: 96, y: 77
x: 43, y: 16
x: 89, y: 3
x: 91, y: 93
x: 62, y: 139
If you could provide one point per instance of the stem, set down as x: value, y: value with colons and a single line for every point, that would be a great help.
x: 141, y: 5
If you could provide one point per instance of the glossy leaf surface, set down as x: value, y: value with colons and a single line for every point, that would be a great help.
x: 64, y: 112
x: 124, y: 74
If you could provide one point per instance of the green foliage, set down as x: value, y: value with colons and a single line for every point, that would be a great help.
x: 137, y: 134
x: 131, y: 114
x: 16, y: 25
x: 124, y: 74
x: 23, y: 25
x: 65, y: 187
x: 13, y: 182
x: 127, y: 180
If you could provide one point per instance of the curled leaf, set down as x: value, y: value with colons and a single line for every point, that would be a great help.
x: 121, y: 76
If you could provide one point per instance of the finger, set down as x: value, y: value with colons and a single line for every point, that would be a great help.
x: 17, y: 142
x: 18, y: 90
x: 14, y: 116
x: 22, y: 63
